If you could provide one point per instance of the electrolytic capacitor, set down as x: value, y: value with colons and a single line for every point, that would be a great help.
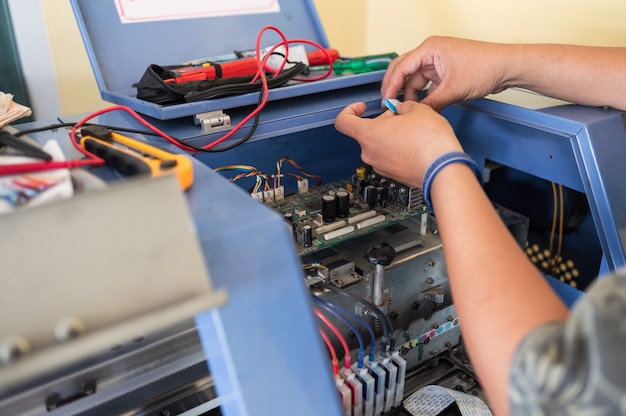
x: 329, y: 208
x: 381, y: 196
x: 370, y: 196
x: 307, y: 236
x: 361, y: 171
x: 359, y: 180
x: 343, y: 204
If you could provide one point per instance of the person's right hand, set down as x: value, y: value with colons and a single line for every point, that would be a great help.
x: 459, y: 70
x: 399, y: 146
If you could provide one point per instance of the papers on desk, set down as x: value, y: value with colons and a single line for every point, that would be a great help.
x: 10, y: 110
x: 431, y: 400
x: 17, y: 191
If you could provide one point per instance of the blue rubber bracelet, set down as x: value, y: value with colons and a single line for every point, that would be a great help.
x: 441, y: 162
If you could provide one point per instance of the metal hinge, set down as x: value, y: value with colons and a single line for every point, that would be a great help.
x: 212, y: 121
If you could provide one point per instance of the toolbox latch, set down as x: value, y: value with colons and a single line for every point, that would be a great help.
x: 212, y: 121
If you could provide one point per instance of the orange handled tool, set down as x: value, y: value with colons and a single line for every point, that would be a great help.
x: 131, y: 157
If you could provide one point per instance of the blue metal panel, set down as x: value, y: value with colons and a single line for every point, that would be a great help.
x: 600, y: 150
x: 568, y: 294
x: 527, y: 140
x: 579, y: 147
x: 263, y: 347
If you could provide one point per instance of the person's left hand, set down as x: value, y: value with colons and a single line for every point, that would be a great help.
x: 399, y: 146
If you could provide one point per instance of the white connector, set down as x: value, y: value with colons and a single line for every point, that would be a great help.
x: 356, y: 388
x: 369, y: 386
x: 299, y: 212
x: 380, y: 380
x: 345, y: 395
x: 258, y: 196
x: 401, y: 376
x: 390, y: 387
x: 279, y: 193
x: 268, y: 196
x: 303, y: 186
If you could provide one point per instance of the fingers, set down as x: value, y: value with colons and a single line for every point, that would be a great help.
x: 406, y: 107
x: 396, y: 75
x: 412, y: 74
x: 413, y: 71
x: 437, y: 99
x: 349, y: 121
x: 392, y: 83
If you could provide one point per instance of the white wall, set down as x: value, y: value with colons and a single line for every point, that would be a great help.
x: 31, y: 36
x: 53, y: 53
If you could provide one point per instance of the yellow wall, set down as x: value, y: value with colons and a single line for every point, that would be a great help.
x: 76, y: 84
x: 358, y: 27
x: 405, y: 23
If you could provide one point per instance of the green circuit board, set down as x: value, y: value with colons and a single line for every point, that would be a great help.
x: 305, y: 211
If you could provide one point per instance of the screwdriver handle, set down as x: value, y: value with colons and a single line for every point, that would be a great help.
x: 364, y: 64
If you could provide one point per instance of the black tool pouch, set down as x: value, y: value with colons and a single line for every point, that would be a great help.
x: 153, y: 88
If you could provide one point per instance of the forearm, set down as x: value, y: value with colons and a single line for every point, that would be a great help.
x: 498, y: 293
x: 585, y: 75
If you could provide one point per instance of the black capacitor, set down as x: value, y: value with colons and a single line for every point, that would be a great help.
x: 370, y: 196
x: 381, y: 196
x: 343, y: 204
x: 307, y: 236
x: 329, y: 208
x: 359, y: 186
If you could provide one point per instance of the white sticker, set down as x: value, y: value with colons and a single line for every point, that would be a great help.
x: 297, y: 53
x: 431, y: 400
x: 136, y: 11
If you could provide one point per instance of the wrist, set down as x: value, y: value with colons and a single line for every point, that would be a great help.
x: 439, y: 164
x: 514, y: 64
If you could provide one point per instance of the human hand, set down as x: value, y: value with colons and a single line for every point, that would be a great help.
x: 399, y: 146
x: 459, y: 70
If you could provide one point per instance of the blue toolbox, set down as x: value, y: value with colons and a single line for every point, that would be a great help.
x: 120, y: 50
x: 289, y: 224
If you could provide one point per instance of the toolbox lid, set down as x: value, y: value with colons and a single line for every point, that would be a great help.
x: 120, y: 52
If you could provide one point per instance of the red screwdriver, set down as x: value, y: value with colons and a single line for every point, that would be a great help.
x: 244, y: 67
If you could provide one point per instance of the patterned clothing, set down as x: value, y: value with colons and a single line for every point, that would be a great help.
x: 577, y: 367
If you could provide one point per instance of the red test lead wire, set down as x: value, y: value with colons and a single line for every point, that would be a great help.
x: 135, y: 115
x: 92, y: 159
x: 333, y: 354
x: 261, y: 73
x: 339, y: 336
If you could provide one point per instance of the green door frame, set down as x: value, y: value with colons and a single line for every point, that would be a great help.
x: 11, y: 77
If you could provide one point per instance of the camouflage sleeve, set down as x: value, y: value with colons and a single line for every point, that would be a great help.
x: 579, y: 367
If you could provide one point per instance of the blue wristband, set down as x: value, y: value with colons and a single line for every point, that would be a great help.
x: 441, y: 162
